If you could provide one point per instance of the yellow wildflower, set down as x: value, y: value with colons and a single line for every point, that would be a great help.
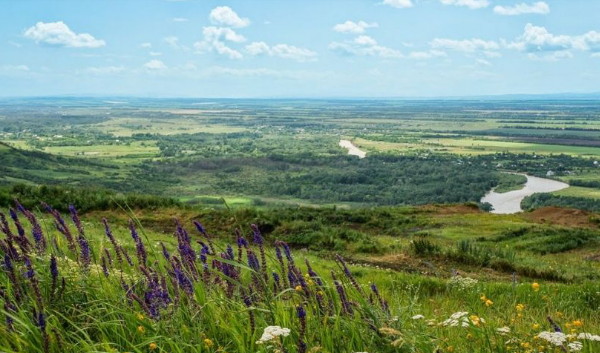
x: 489, y: 302
x: 450, y: 349
x: 577, y: 323
x: 535, y: 326
x: 152, y: 346
x: 535, y: 286
x: 141, y: 329
x: 208, y: 342
x: 298, y: 288
x: 140, y: 317
x: 520, y: 307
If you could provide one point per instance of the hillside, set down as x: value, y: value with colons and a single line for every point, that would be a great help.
x: 424, y: 279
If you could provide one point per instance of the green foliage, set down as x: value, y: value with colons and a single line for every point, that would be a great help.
x: 542, y: 200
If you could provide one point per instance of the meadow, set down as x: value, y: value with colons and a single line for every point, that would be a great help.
x: 156, y: 281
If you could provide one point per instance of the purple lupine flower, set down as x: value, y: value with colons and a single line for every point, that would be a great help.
x: 112, y: 240
x: 248, y: 303
x: 30, y: 271
x: 76, y: 220
x: 62, y: 227
x: 241, y: 243
x: 301, y: 314
x: 104, y: 267
x: 53, y: 267
x: 123, y: 251
x: 346, y: 306
x: 139, y: 245
x: 313, y: 274
x: 258, y: 239
x: 165, y: 252
x: 253, y: 261
x: 8, y: 263
x: 184, y: 281
x: 38, y: 235
x: 203, y: 252
x: 230, y: 255
x: 39, y: 319
x: 349, y: 274
x: 84, y: 246
x: 382, y: 302
x: 200, y: 228
x: 276, y: 282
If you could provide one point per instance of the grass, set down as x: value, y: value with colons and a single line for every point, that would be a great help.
x: 226, y: 307
x: 577, y: 191
x: 125, y: 127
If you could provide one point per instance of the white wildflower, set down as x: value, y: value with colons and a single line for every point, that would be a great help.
x: 462, y: 283
x: 456, y: 319
x: 418, y: 317
x: 588, y: 336
x: 575, y: 346
x: 272, y: 332
x: 555, y: 338
x: 503, y: 330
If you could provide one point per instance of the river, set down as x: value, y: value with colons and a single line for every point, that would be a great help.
x: 352, y: 150
x: 510, y: 202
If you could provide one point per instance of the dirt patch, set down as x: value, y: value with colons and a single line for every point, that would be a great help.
x: 561, y: 216
x: 450, y: 209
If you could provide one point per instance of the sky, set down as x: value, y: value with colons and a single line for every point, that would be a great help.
x: 298, y: 48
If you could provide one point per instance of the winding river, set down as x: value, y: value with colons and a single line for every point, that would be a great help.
x: 510, y: 202
x: 352, y: 150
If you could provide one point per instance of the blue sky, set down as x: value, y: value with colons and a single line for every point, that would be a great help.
x: 298, y: 48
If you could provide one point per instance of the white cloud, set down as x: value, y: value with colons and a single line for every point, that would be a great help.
x: 155, y: 53
x: 14, y: 68
x: 146, y: 45
x: 465, y: 45
x: 58, y: 33
x: 423, y: 55
x: 179, y: 19
x: 400, y: 4
x: 354, y: 27
x: 553, y: 56
x: 225, y: 16
x: 539, y: 39
x: 214, y: 41
x: 365, y: 46
x: 105, y: 70
x: 472, y: 4
x: 539, y: 7
x: 596, y: 55
x: 483, y: 62
x: 155, y: 65
x: 281, y: 50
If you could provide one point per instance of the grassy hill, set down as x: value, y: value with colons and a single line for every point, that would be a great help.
x: 409, y: 279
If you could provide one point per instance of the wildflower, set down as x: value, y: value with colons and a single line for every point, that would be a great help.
x: 535, y: 326
x: 298, y: 288
x: 535, y: 286
x: 489, y: 302
x: 418, y: 317
x: 555, y: 338
x: 152, y: 346
x: 272, y: 332
x: 141, y: 329
x: 208, y: 343
x: 575, y: 346
x: 503, y: 330
x: 520, y: 307
x: 450, y: 349
x: 588, y: 336
x: 390, y: 331
x: 462, y: 283
x: 577, y: 323
x: 140, y: 316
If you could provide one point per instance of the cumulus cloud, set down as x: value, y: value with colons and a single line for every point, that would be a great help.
x: 59, y: 34
x: 465, y: 45
x: 400, y: 4
x: 281, y: 50
x: 539, y: 7
x: 354, y: 27
x: 539, y: 39
x: 554, y: 56
x: 215, y: 39
x: 146, y: 45
x: 179, y: 19
x: 423, y: 55
x: 472, y: 4
x: 225, y: 16
x: 365, y: 46
x: 155, y: 65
